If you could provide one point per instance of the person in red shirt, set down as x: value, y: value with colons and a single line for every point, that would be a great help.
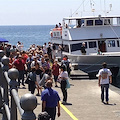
x: 24, y: 56
x: 11, y: 60
x: 19, y: 64
x: 55, y: 71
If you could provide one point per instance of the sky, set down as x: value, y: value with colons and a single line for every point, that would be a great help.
x: 51, y: 12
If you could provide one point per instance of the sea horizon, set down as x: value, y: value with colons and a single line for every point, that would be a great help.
x: 29, y: 25
x: 26, y: 34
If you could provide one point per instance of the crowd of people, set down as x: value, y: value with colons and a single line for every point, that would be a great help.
x: 39, y: 68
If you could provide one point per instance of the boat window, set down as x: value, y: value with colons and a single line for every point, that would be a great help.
x: 111, y: 43
x: 118, y: 43
x: 78, y: 23
x: 75, y: 47
x: 118, y: 21
x: 89, y: 22
x: 54, y: 34
x: 56, y: 45
x: 58, y: 33
x: 98, y: 22
x: 107, y: 22
x: 65, y: 48
x: 92, y: 44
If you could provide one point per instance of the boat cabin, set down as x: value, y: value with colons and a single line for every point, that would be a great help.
x: 101, y: 32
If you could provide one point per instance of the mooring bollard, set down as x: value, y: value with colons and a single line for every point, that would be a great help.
x: 5, y: 61
x: 1, y: 54
x: 1, y: 77
x: 28, y: 103
x: 13, y: 75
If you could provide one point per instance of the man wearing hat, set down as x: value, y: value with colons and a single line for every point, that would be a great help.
x: 105, y: 77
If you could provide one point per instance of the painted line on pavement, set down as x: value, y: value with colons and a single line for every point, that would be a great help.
x: 68, y: 112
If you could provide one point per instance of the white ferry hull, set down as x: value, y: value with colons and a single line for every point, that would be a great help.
x: 92, y: 63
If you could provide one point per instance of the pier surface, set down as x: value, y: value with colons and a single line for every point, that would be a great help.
x: 85, y: 102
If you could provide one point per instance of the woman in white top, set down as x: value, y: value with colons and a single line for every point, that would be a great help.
x: 63, y: 77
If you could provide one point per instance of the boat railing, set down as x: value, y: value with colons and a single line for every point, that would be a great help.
x: 9, y: 97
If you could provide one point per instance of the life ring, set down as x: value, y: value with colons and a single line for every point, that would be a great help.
x: 55, y: 29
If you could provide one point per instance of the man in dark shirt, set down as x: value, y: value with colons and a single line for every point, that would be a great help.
x: 50, y: 99
x: 49, y: 51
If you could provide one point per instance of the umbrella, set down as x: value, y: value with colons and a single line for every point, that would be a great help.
x: 3, y: 40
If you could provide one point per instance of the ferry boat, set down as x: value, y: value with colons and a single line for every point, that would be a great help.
x: 98, y: 33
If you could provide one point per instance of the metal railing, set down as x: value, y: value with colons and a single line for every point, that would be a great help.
x: 10, y: 102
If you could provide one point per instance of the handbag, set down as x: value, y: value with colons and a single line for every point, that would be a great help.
x: 67, y: 84
x: 27, y: 81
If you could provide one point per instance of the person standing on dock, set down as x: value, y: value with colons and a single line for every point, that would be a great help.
x: 63, y: 77
x: 19, y: 64
x: 66, y: 62
x: 55, y: 71
x: 105, y: 77
x: 50, y: 99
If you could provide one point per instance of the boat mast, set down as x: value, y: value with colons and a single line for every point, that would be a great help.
x: 105, y: 7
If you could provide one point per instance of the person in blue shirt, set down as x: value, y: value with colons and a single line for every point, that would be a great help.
x: 50, y: 100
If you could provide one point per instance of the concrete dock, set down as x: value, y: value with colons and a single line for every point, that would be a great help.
x: 85, y: 102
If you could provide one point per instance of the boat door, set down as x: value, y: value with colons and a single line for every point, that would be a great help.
x: 102, y: 46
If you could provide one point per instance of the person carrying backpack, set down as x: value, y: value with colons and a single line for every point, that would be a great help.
x: 66, y: 62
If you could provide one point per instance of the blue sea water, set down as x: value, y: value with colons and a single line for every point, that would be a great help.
x: 27, y: 35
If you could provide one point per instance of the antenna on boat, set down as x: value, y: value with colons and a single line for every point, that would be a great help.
x: 83, y: 6
x: 105, y: 7
x: 78, y: 8
x: 92, y: 5
x: 110, y: 7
